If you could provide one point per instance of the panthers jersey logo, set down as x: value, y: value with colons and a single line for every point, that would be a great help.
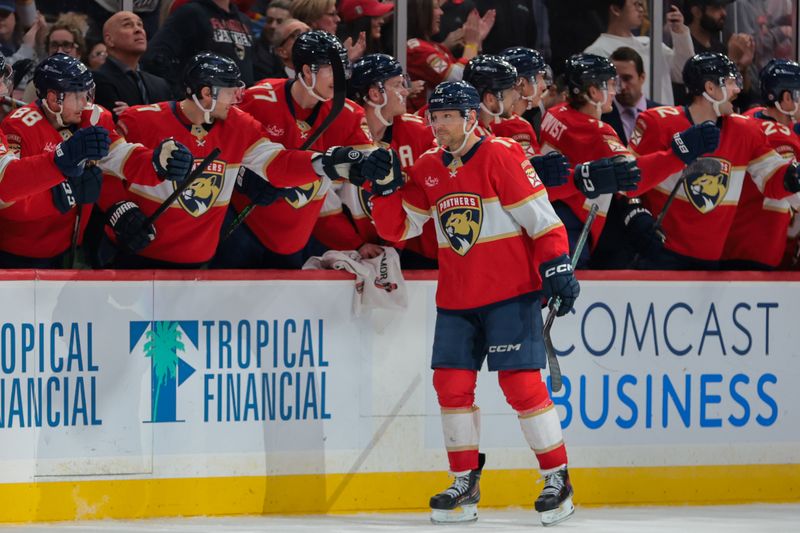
x: 301, y: 196
x: 460, y: 217
x: 198, y: 198
x: 706, y: 189
x: 365, y: 201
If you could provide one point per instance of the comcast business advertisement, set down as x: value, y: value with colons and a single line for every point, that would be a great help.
x: 192, y: 378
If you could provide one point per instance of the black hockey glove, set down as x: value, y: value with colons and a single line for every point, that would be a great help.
x: 552, y: 168
x: 382, y: 172
x: 86, y: 144
x: 640, y: 227
x: 791, y: 180
x: 257, y: 189
x: 83, y: 189
x: 796, y: 128
x: 337, y: 162
x: 606, y: 176
x: 127, y: 221
x: 558, y: 279
x: 697, y: 140
x: 172, y: 160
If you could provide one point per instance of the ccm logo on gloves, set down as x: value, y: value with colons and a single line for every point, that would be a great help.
x: 585, y: 173
x: 505, y: 348
x: 558, y: 269
x: 680, y: 144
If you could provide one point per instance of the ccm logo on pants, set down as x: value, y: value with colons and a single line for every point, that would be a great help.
x: 505, y: 348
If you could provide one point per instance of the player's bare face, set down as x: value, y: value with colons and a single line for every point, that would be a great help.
x: 324, y: 86
x: 732, y: 90
x: 396, y: 93
x: 226, y: 97
x: 509, y: 99
x: 448, y: 127
x: 73, y: 105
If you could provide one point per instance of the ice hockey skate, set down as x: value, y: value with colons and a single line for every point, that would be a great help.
x: 555, y: 502
x: 459, y: 503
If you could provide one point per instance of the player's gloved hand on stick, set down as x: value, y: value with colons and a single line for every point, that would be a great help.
x: 696, y: 140
x: 336, y: 162
x: 172, y: 160
x: 258, y: 189
x: 640, y: 226
x: 791, y: 180
x: 86, y: 144
x: 606, y: 176
x: 128, y: 223
x: 558, y: 279
x: 381, y: 172
x: 552, y: 168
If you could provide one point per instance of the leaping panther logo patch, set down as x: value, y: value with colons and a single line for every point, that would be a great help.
x: 198, y: 198
x: 365, y: 199
x: 706, y: 189
x: 304, y: 194
x: 460, y: 217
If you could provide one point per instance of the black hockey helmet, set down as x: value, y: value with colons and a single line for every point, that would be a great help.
x: 208, y: 69
x: 458, y: 95
x: 488, y: 73
x: 527, y: 61
x: 62, y: 73
x: 313, y: 48
x: 586, y: 70
x: 373, y: 69
x: 708, y: 66
x: 777, y: 76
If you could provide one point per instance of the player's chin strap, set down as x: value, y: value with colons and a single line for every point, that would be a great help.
x: 529, y: 99
x: 599, y: 105
x: 499, y: 113
x: 57, y: 114
x: 716, y: 103
x: 379, y: 107
x: 791, y: 113
x: 310, y: 88
x: 467, y: 133
x: 207, y: 112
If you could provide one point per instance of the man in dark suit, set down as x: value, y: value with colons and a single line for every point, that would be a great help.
x: 119, y: 82
x: 630, y: 100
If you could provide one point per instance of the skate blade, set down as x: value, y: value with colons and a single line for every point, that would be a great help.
x: 559, y: 514
x: 464, y: 513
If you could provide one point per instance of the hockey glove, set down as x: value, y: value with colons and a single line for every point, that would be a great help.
x: 606, y: 176
x: 64, y: 197
x: 796, y: 128
x: 86, y: 144
x: 336, y: 162
x: 695, y: 141
x: 382, y: 173
x: 258, y: 189
x: 791, y: 180
x: 640, y: 227
x: 552, y: 168
x: 558, y: 279
x: 172, y: 160
x: 127, y: 221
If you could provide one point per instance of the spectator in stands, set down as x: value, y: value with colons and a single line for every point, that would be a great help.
x: 432, y: 62
x: 322, y: 15
x: 283, y: 40
x: 630, y: 99
x: 66, y: 35
x: 624, y: 16
x: 364, y: 17
x: 120, y: 82
x: 100, y: 11
x: 213, y: 25
x: 96, y: 54
x: 266, y: 63
x: 15, y: 45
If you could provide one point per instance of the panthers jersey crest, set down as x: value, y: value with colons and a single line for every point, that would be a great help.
x: 365, y: 200
x: 706, y: 189
x: 198, y: 198
x: 460, y: 218
x: 303, y: 195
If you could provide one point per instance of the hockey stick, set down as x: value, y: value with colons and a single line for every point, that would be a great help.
x: 339, y: 92
x: 193, y: 175
x: 12, y: 102
x: 697, y: 168
x: 555, y: 303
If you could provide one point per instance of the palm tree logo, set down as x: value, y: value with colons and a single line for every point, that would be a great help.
x: 164, y: 345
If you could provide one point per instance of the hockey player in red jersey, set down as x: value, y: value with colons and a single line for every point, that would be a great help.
x: 39, y: 229
x: 188, y: 232
x: 497, y: 229
x: 756, y: 214
x: 698, y: 221
x: 380, y: 85
x: 275, y: 235
x: 575, y: 129
x: 496, y: 81
x: 535, y: 76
